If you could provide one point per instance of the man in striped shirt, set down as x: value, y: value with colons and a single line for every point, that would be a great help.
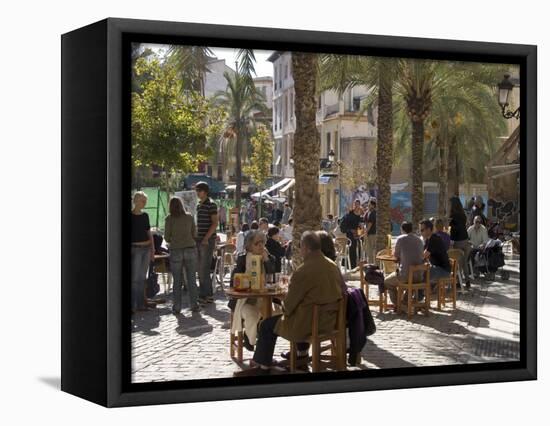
x: 207, y: 222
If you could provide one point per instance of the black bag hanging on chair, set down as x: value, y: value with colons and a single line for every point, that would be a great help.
x: 152, y: 286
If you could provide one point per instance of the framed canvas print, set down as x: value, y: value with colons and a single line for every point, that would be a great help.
x: 255, y: 212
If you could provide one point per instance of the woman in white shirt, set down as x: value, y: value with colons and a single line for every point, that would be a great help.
x: 240, y: 238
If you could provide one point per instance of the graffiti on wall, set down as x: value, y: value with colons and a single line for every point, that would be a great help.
x: 505, y: 211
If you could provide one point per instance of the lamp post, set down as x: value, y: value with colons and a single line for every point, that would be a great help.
x: 505, y: 88
x: 331, y: 158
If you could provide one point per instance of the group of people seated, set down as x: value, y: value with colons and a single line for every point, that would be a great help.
x: 278, y: 239
x: 316, y: 281
x: 433, y: 247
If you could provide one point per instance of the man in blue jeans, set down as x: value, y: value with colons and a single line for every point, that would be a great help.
x: 207, y: 222
x: 436, y: 252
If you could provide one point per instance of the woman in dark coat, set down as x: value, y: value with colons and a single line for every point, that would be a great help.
x: 274, y: 247
x: 459, y: 235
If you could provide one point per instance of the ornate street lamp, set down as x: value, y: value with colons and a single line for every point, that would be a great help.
x: 331, y: 156
x: 505, y: 87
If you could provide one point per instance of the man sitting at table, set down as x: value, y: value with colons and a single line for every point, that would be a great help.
x: 408, y: 252
x: 435, y: 252
x: 316, y: 281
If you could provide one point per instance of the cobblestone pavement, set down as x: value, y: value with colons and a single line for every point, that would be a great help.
x: 483, y: 328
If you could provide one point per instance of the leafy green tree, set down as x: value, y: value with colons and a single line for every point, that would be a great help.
x: 259, y: 168
x: 170, y: 129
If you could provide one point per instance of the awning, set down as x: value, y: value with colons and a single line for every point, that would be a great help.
x: 288, y: 186
x: 265, y: 192
x: 233, y: 187
x: 503, y: 170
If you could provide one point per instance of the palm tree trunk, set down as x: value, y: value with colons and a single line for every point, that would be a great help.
x: 307, y: 205
x: 417, y: 171
x: 453, y: 185
x: 238, y: 169
x: 443, y: 176
x: 384, y: 155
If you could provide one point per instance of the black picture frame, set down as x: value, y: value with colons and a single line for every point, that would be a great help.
x: 95, y: 182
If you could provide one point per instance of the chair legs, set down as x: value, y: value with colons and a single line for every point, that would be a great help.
x: 236, y: 343
x: 442, y: 298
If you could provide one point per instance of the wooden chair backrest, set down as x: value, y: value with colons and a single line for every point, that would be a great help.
x: 387, y: 266
x: 388, y: 242
x: 337, y: 307
x: 416, y: 268
x: 455, y: 253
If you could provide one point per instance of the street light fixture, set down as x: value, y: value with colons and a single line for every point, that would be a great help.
x: 331, y: 156
x: 505, y: 87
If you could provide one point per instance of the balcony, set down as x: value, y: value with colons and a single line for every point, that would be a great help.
x: 332, y: 109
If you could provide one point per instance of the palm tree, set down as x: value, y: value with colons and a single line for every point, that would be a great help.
x: 340, y: 72
x: 417, y: 83
x: 192, y: 64
x: 307, y: 206
x: 461, y: 129
x: 240, y: 100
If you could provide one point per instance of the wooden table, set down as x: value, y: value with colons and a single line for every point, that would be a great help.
x: 387, y: 258
x: 265, y: 297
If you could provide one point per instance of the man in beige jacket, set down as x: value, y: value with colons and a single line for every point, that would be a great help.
x: 316, y: 281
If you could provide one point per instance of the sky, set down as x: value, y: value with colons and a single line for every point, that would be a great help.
x: 263, y: 66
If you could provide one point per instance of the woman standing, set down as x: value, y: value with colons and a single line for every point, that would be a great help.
x: 180, y: 233
x: 143, y: 250
x: 459, y: 235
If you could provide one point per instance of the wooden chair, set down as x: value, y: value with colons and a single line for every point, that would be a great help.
x: 382, y: 299
x: 235, y: 343
x: 336, y: 338
x: 444, y: 283
x: 388, y: 242
x: 162, y: 269
x: 342, y: 246
x: 457, y: 255
x: 388, y: 268
x: 412, y: 288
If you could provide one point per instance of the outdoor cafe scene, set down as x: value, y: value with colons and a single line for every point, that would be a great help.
x: 294, y: 213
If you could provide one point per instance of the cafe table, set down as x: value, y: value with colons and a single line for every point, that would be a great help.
x: 265, y: 297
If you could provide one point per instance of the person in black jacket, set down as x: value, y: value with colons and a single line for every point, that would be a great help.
x: 459, y: 236
x: 274, y: 247
x: 350, y: 223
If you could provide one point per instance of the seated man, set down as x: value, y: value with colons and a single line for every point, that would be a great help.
x: 440, y: 232
x: 409, y: 252
x: 435, y: 252
x: 478, y: 235
x: 316, y: 281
